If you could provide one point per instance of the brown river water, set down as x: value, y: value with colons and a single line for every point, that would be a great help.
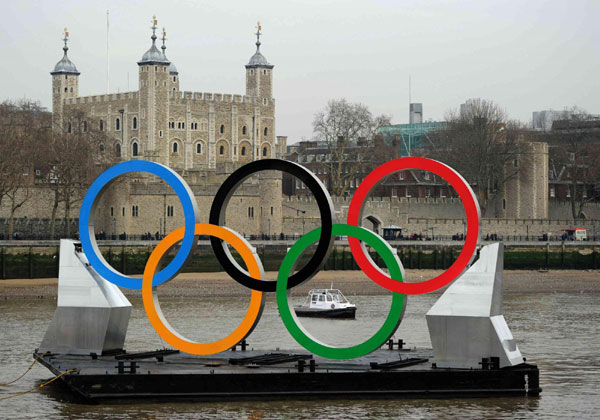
x: 558, y: 331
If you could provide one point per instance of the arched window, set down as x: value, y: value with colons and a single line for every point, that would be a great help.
x: 222, y: 129
x: 134, y: 149
x: 175, y: 147
x: 69, y: 128
x: 101, y: 147
x: 174, y: 78
x: 222, y: 150
x: 244, y: 130
x: 264, y: 151
x: 101, y: 125
x: 243, y: 151
x: 118, y: 124
x: 266, y: 130
x: 85, y: 126
x: 198, y: 148
x: 134, y: 123
x: 118, y: 150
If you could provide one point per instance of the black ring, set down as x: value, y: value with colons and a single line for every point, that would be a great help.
x: 322, y: 197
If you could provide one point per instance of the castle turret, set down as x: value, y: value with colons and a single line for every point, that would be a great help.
x: 173, y: 73
x: 259, y: 73
x: 154, y: 104
x: 65, y: 83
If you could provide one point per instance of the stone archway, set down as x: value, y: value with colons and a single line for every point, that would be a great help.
x: 373, y: 223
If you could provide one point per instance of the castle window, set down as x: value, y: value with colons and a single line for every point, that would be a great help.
x: 198, y: 148
x: 171, y: 124
x: 66, y: 90
x: 222, y: 129
x: 244, y: 130
x: 118, y: 150
x: 264, y: 101
x: 156, y: 83
x: 503, y: 204
x: 182, y: 125
x: 101, y: 125
x: 71, y: 90
x: 174, y: 79
x: 118, y: 124
x: 222, y: 150
x: 101, y: 147
x: 134, y: 149
x: 264, y: 151
x: 170, y: 211
x: 516, y: 163
x: 266, y: 130
x: 112, y: 211
x: 243, y: 151
x: 164, y: 71
x: 155, y: 68
x: 271, y: 211
x: 84, y: 126
x: 69, y: 128
x: 134, y: 211
x: 251, y: 212
x: 123, y: 211
x: 159, y: 133
x: 175, y: 147
x: 165, y: 84
x: 134, y: 123
x: 66, y: 79
x: 174, y: 90
x: 251, y: 72
x: 179, y: 125
x: 264, y: 72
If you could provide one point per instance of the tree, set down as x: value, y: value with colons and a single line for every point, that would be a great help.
x: 575, y: 155
x: 347, y: 130
x: 22, y: 125
x: 76, y: 154
x: 481, y: 143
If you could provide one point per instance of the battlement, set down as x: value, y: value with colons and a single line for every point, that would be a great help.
x: 375, y: 201
x: 184, y: 96
x: 101, y: 98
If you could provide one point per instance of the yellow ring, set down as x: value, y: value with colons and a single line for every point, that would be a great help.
x: 152, y: 305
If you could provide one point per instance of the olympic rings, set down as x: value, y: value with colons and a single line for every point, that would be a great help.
x: 460, y: 185
x: 88, y: 211
x: 302, y: 336
x: 152, y: 305
x: 254, y: 277
x: 322, y: 197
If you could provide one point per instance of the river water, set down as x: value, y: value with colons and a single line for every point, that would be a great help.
x: 558, y: 332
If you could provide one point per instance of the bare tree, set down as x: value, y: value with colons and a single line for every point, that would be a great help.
x: 481, y: 143
x: 22, y: 124
x: 575, y: 154
x: 76, y: 154
x: 347, y: 130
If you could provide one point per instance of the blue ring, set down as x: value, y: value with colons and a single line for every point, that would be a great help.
x: 86, y: 224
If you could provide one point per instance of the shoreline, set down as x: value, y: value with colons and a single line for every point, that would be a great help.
x: 350, y: 282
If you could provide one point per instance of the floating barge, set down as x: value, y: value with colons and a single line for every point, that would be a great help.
x: 390, y: 372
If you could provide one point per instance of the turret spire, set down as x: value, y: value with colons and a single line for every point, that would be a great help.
x: 153, y: 56
x: 164, y: 38
x: 258, y: 28
x: 65, y: 66
x: 258, y: 60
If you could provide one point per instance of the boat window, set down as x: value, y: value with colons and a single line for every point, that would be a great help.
x: 328, y: 298
x: 315, y: 297
x: 336, y: 298
x: 321, y: 298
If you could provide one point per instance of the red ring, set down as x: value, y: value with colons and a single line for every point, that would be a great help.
x: 471, y: 209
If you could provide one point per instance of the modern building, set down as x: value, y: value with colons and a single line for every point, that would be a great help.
x: 416, y: 113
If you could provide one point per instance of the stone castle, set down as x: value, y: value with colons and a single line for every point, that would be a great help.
x: 204, y: 136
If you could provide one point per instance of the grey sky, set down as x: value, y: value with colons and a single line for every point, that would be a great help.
x: 525, y: 55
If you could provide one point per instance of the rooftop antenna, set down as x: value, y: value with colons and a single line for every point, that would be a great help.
x: 107, y: 56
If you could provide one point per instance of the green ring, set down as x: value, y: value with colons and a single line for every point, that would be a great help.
x: 302, y: 336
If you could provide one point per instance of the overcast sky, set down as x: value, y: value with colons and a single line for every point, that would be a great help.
x: 525, y: 55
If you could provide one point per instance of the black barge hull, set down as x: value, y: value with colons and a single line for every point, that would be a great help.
x: 261, y: 375
x: 342, y: 313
